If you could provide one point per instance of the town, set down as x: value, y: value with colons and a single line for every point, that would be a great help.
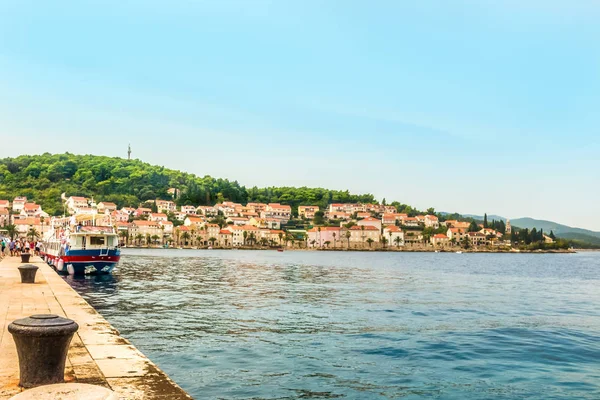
x: 161, y: 223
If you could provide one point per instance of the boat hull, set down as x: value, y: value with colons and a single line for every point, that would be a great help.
x: 100, y: 261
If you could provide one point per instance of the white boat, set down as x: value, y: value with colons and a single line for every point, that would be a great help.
x: 459, y: 252
x: 81, y: 248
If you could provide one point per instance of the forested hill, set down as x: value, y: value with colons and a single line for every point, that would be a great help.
x: 43, y: 178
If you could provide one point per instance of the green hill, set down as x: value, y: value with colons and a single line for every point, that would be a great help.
x: 558, y: 229
x: 43, y: 178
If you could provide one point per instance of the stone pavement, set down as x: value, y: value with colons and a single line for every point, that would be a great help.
x: 98, y: 354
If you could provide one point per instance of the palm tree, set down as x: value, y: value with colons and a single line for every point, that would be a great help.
x: 212, y: 240
x: 252, y: 238
x: 453, y: 241
x: 42, y: 219
x: 193, y: 232
x: 124, y: 235
x: 348, y: 234
x: 397, y: 241
x: 390, y: 241
x: 11, y: 230
x: 245, y: 234
x: 155, y: 238
x: 370, y: 241
x: 383, y: 241
x: 313, y: 242
x: 280, y: 237
x: 139, y: 238
x: 327, y: 243
x: 147, y: 239
x: 264, y: 241
x: 185, y: 236
x: 333, y: 234
x: 33, y: 233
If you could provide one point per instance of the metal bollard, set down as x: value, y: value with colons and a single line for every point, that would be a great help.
x: 28, y: 273
x: 42, y: 342
x: 25, y: 257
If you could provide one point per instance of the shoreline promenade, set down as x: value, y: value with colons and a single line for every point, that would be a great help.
x: 97, y: 355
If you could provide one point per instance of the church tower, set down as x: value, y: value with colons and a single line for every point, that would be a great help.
x: 508, y: 227
x: 129, y: 151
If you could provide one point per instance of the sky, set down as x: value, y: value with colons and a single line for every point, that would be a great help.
x: 467, y: 106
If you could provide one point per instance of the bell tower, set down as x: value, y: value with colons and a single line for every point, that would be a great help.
x: 129, y: 151
x: 508, y: 227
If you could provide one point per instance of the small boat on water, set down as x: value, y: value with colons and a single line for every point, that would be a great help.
x: 459, y: 252
x: 81, y: 249
x: 280, y: 250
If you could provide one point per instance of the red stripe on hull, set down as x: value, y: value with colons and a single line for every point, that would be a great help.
x: 69, y: 259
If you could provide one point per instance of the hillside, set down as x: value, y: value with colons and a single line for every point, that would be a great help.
x: 43, y: 178
x: 559, y: 230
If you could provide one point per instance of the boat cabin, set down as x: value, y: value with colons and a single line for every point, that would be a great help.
x: 90, y: 241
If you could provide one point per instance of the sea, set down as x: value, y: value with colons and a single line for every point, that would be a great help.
x: 235, y: 324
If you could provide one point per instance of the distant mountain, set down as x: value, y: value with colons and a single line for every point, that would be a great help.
x: 480, y: 217
x: 559, y: 230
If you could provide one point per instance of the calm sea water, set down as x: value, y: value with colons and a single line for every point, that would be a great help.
x: 320, y: 325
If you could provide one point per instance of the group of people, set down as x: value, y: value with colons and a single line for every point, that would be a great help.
x: 18, y: 246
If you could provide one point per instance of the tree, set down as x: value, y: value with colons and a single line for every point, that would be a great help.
x: 333, y: 234
x: 124, y: 235
x: 186, y: 237
x: 33, y: 233
x: 397, y: 240
x: 212, y: 240
x: 313, y: 242
x: 552, y: 235
x: 474, y: 227
x: 327, y: 243
x: 252, y: 238
x: 147, y: 239
x: 155, y: 238
x: 348, y: 235
x: 466, y: 243
x: 11, y: 231
x: 280, y: 235
x: 383, y: 240
x: 485, y: 221
x: 370, y: 241
x: 139, y: 238
x: 319, y: 218
x: 245, y: 234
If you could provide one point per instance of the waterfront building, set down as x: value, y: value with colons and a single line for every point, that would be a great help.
x: 360, y: 234
x: 320, y: 235
x: 508, y: 229
x: 477, y: 238
x: 439, y: 239
x: 193, y: 222
x: 119, y: 216
x: 394, y: 235
x: 4, y: 216
x: 23, y: 226
x: 225, y: 238
x: 457, y: 234
x: 370, y: 221
x: 413, y: 237
x: 145, y: 228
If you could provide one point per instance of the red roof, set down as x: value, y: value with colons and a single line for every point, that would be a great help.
x: 440, y: 236
x: 225, y: 232
x: 31, y: 206
x: 366, y: 228
x: 393, y: 228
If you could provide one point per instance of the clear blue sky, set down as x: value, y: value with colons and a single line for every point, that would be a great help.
x: 464, y: 105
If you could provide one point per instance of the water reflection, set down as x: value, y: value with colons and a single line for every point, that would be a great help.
x: 262, y: 325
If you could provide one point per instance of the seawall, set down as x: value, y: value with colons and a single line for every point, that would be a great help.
x: 98, y: 354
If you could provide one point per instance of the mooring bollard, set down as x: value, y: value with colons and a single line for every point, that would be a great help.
x: 25, y: 257
x: 28, y: 273
x: 42, y: 342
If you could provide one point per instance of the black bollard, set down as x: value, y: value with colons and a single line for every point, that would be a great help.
x: 25, y: 257
x: 28, y: 273
x: 42, y: 342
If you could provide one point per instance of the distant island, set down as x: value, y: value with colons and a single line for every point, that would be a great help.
x: 155, y: 206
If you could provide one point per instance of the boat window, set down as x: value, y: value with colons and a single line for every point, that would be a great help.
x: 97, y: 241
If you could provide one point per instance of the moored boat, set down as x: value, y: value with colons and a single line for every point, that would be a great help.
x: 81, y: 249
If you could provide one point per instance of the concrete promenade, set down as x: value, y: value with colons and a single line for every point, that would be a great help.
x: 98, y: 354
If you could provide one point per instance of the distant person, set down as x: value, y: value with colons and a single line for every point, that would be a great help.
x: 11, y: 247
x: 3, y: 245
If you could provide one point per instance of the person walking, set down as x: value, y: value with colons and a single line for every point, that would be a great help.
x: 11, y: 247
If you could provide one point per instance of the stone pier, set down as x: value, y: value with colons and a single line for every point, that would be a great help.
x: 98, y: 355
